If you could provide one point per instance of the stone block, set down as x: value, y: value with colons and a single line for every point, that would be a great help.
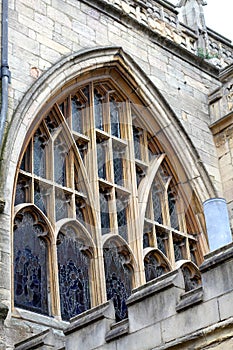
x: 155, y: 301
x: 225, y: 306
x: 95, y: 322
x: 143, y: 339
x: 190, y: 320
x: 217, y: 272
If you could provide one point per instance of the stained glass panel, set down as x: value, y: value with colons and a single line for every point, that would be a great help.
x: 101, y: 160
x: 178, y: 250
x: 118, y: 169
x: 118, y: 280
x: 122, y: 223
x: 172, y: 210
x: 40, y: 198
x: 73, y: 267
x: 115, y: 120
x: 146, y: 240
x: 30, y: 264
x: 137, y: 146
x: 98, y: 108
x: 21, y: 191
x: 161, y: 244
x: 157, y: 210
x: 152, y: 267
x: 60, y: 154
x: 104, y: 214
x: 39, y: 154
x: 77, y: 115
x: 61, y: 205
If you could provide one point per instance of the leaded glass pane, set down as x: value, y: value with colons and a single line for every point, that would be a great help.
x: 161, y: 244
x: 98, y: 108
x: 157, y: 210
x: 118, y: 170
x: 62, y: 201
x: 79, y: 206
x: 152, y: 267
x: 52, y: 123
x: 22, y: 188
x: 30, y: 264
x: 172, y: 211
x: 77, y: 115
x: 104, y: 214
x: 140, y: 174
x: 60, y: 154
x: 39, y: 143
x: 101, y: 160
x: 118, y: 280
x: 122, y: 223
x: 115, y: 120
x: 137, y: 145
x: 40, y: 198
x: 146, y: 240
x: 178, y: 250
x: 73, y: 267
x: 192, y: 253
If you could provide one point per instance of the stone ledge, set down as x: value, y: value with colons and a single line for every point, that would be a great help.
x: 95, y: 314
x: 34, y: 342
x: 204, y: 337
x: 217, y: 257
x: 190, y: 299
x: 118, y: 330
x: 157, y: 285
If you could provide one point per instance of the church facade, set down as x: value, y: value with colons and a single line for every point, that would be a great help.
x: 116, y: 196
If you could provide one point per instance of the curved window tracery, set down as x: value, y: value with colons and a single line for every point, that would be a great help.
x: 91, y: 159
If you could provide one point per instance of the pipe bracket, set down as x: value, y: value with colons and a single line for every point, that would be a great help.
x: 5, y: 72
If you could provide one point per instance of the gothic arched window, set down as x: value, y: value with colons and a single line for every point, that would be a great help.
x: 91, y: 160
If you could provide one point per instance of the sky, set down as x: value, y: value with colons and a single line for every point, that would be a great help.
x: 218, y: 17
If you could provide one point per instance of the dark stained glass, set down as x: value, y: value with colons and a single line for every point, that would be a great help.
x: 118, y: 280
x: 21, y: 191
x: 115, y: 121
x: 77, y: 115
x: 39, y: 154
x: 118, y: 169
x: 137, y: 146
x: 101, y: 160
x: 104, y: 213
x: 152, y: 267
x: 60, y: 154
x: 98, y: 108
x: 61, y: 205
x: 30, y: 264
x: 146, y: 240
x: 192, y: 253
x: 161, y: 244
x: 40, y: 198
x: 80, y: 205
x: 157, y: 210
x: 73, y: 266
x: 122, y: 223
x: 178, y: 250
x: 172, y: 210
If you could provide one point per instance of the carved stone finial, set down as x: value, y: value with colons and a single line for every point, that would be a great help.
x: 191, y: 13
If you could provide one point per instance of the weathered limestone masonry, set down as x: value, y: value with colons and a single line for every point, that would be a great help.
x: 192, y: 69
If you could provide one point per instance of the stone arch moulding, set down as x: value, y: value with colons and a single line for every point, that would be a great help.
x: 35, y: 103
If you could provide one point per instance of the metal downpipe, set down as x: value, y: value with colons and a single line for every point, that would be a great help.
x: 5, y: 73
